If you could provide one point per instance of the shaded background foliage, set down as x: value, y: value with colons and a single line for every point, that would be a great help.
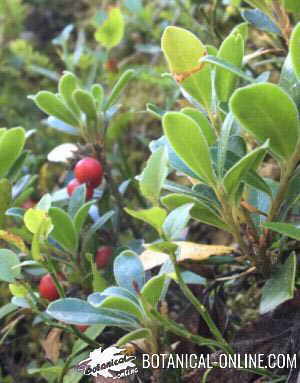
x: 38, y: 39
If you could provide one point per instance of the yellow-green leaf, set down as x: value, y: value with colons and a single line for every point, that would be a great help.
x: 182, y: 50
x: 295, y: 49
x: 266, y: 111
x: 18, y: 290
x: 232, y: 51
x: 111, y: 32
x: 11, y: 145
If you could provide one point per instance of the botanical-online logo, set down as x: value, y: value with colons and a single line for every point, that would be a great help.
x: 105, y: 362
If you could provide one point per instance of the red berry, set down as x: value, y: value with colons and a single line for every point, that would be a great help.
x: 74, y: 184
x: 47, y: 288
x: 90, y: 171
x: 82, y: 327
x: 28, y: 204
x: 103, y: 256
x: 111, y: 65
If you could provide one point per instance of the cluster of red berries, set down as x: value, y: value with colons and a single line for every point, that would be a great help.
x: 87, y: 171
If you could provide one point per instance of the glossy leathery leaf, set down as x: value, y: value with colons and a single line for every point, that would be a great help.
x: 267, y: 112
x: 231, y: 51
x: 189, y: 143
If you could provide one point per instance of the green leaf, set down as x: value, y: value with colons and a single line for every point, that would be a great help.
x: 267, y: 112
x: 81, y: 215
x: 241, y: 29
x: 140, y: 333
x: 261, y: 201
x: 129, y: 271
x: 7, y: 309
x: 86, y: 103
x: 155, y: 110
x: 77, y: 200
x: 68, y: 83
x: 111, y: 32
x: 11, y: 145
x: 280, y: 287
x: 153, y: 289
x: 118, y: 88
x: 61, y: 126
x: 99, y: 281
x: 289, y: 81
x: 231, y: 51
x: 38, y: 223
x: 34, y: 218
x: 236, y: 174
x: 292, y: 195
x: 286, y: 229
x: 5, y: 198
x: 202, y: 122
x: 154, y: 175
x: 118, y: 291
x: 64, y: 231
x: 174, y: 161
x: 260, y: 4
x: 260, y: 20
x: 227, y: 66
x: 16, y: 170
x: 292, y: 6
x: 189, y: 277
x: 176, y: 221
x: 53, y: 106
x: 182, y: 49
x: 98, y: 93
x: 189, y: 143
x: 44, y: 203
x: 199, y: 211
x: 197, y: 87
x: 49, y: 373
x: 294, y: 49
x: 78, y: 312
x: 223, y: 142
x: 18, y: 290
x: 92, y: 332
x: 123, y: 304
x: 96, y: 226
x: 8, y: 261
x: 154, y: 216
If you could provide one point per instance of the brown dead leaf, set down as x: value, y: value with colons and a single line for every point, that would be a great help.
x: 52, y: 344
x: 14, y: 240
x: 189, y: 251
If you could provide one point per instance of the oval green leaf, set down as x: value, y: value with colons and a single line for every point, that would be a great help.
x: 294, y: 50
x: 64, y: 231
x: 189, y: 143
x: 129, y: 271
x: 11, y: 145
x: 267, y: 112
x: 123, y: 304
x: 153, y: 289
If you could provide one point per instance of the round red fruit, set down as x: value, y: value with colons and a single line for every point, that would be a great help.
x: 111, y: 65
x: 47, y: 288
x: 74, y: 184
x: 103, y: 256
x: 28, y: 204
x: 90, y: 171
